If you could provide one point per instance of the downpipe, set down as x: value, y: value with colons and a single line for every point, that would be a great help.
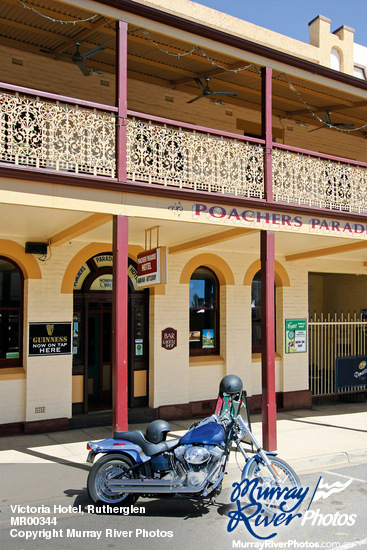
x: 158, y: 485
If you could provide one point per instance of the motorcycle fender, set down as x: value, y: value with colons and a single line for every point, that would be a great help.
x: 112, y: 445
x: 254, y: 458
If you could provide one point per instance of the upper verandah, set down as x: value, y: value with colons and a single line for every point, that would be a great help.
x: 322, y: 40
x: 164, y: 68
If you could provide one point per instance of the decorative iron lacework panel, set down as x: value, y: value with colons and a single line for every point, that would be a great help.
x: 302, y: 179
x: 172, y: 156
x: 59, y: 137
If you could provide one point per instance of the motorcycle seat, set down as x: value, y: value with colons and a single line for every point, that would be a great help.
x: 150, y: 449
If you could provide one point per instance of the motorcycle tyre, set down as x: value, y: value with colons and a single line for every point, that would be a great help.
x: 126, y: 499
x: 281, y: 465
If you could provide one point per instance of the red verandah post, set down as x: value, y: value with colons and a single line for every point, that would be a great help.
x: 120, y: 248
x: 121, y: 99
x: 267, y: 129
x: 267, y: 239
x: 119, y: 323
x: 267, y: 256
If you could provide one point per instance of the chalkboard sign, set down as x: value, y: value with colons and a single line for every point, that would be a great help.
x: 351, y: 371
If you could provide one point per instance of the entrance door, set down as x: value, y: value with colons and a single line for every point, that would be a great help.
x: 138, y: 350
x: 92, y: 342
x: 99, y: 356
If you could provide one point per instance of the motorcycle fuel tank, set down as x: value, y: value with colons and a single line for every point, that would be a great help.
x: 210, y: 433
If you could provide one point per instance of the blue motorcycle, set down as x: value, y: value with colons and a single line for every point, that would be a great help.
x: 193, y: 466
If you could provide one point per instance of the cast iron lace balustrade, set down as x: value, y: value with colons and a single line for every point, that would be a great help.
x: 76, y: 139
x: 307, y: 180
x: 54, y: 136
x: 193, y: 160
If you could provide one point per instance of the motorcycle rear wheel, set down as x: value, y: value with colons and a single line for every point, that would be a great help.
x: 110, y: 466
x: 287, y: 477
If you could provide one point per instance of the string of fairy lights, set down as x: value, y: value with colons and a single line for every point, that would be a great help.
x: 291, y: 86
x: 197, y: 50
x: 54, y: 19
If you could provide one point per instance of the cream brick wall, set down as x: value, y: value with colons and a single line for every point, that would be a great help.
x: 344, y: 293
x: 12, y: 399
x: 316, y: 293
x: 49, y: 378
x: 173, y: 377
x: 169, y: 368
x: 237, y: 353
x: 179, y: 380
x: 295, y: 306
x: 43, y: 72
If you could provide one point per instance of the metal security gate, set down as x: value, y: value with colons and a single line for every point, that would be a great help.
x: 330, y: 338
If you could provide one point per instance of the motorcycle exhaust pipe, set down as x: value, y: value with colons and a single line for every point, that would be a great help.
x: 157, y: 485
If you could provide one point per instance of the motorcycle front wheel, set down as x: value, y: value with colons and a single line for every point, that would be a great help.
x: 111, y: 466
x: 286, y: 477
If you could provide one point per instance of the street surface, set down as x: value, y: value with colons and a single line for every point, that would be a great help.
x: 57, y: 493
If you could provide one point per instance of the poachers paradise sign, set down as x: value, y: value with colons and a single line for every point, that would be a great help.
x: 277, y: 221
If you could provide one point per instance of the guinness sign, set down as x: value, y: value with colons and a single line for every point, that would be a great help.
x: 49, y: 339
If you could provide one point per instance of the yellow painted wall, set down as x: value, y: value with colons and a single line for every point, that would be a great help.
x: 174, y: 377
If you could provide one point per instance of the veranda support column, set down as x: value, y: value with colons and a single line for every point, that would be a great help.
x: 267, y: 256
x: 119, y: 323
x: 267, y: 129
x: 121, y: 99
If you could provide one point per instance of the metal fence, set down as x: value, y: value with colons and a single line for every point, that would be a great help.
x: 330, y: 338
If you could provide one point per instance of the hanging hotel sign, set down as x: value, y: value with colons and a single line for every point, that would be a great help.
x: 152, y: 267
x: 49, y: 339
x: 295, y: 335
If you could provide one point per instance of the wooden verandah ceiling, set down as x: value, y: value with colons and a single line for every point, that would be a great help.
x: 60, y: 227
x: 153, y: 57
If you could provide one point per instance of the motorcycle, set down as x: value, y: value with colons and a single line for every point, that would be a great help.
x: 192, y: 466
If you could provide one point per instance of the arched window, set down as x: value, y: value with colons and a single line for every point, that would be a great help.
x: 256, y: 312
x: 11, y: 313
x: 204, y: 312
x: 335, y: 60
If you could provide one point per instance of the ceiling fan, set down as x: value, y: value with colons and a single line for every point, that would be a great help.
x: 207, y: 92
x: 78, y: 58
x: 329, y: 124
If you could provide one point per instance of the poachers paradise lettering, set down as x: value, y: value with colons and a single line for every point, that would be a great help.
x: 275, y: 220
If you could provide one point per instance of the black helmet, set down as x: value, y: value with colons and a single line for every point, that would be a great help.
x: 157, y: 431
x: 230, y: 384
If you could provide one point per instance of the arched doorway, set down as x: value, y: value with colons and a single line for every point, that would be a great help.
x: 92, y: 343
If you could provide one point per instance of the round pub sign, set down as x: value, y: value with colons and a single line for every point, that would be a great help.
x: 169, y: 338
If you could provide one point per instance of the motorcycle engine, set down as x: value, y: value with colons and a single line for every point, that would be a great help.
x: 198, y: 461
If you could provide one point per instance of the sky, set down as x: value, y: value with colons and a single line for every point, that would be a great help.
x: 291, y: 17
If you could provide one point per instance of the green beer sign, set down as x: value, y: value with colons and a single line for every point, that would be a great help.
x: 295, y: 335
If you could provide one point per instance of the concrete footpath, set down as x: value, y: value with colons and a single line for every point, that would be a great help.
x: 306, y: 439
